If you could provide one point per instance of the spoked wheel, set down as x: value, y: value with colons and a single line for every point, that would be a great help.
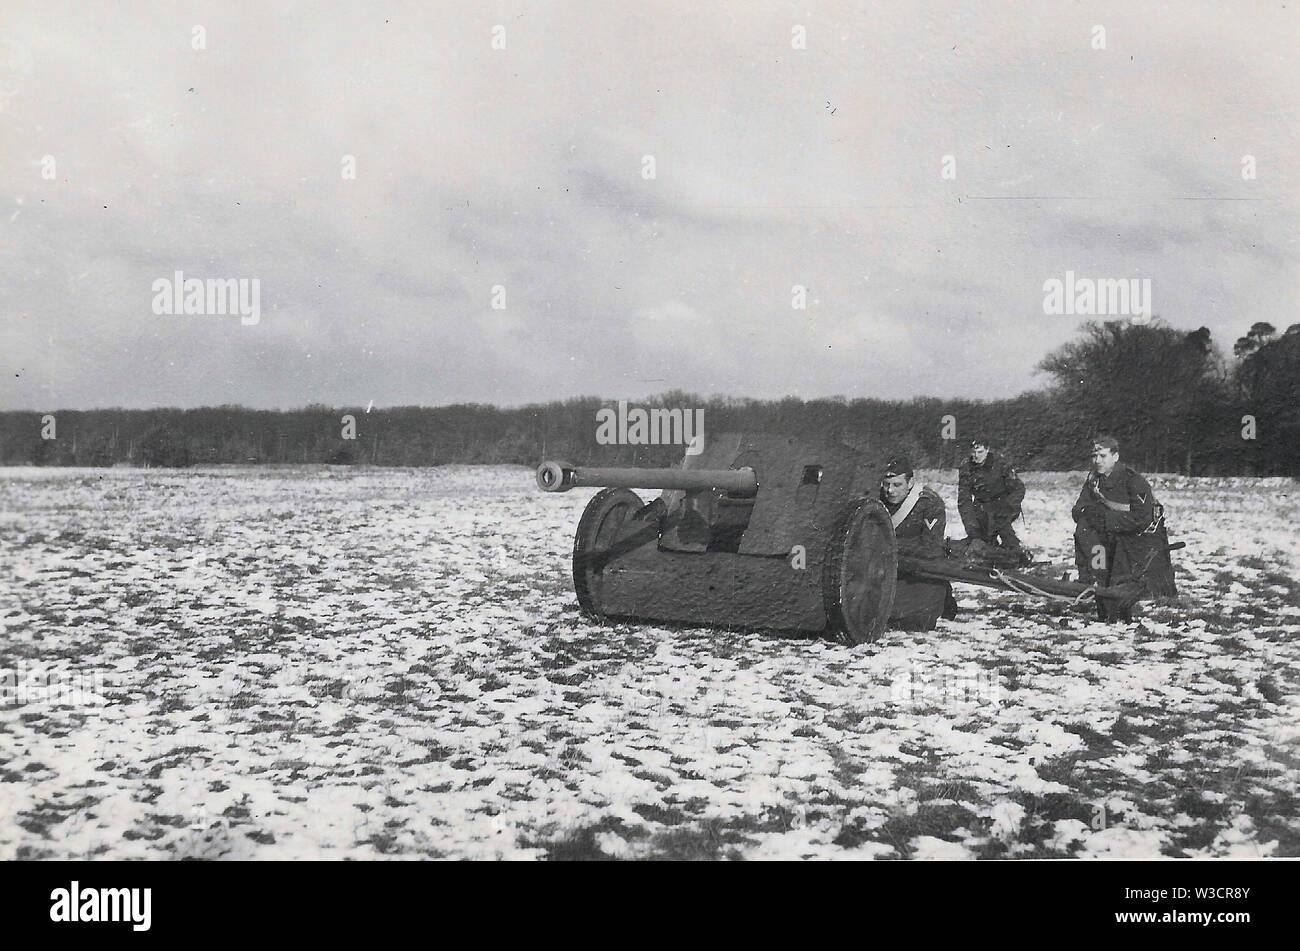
x: 861, y: 573
x: 599, y: 528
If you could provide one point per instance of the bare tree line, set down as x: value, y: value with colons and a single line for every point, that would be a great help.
x: 1175, y: 401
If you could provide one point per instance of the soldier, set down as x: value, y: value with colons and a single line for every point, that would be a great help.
x: 919, y: 519
x: 1119, y: 533
x: 989, y: 494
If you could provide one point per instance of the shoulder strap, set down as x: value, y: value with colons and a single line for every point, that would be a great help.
x: 1116, y: 506
x: 905, y: 509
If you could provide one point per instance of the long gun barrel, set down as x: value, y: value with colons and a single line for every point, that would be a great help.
x: 562, y: 476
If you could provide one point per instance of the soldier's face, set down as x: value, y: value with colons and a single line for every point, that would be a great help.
x: 896, y: 488
x: 1103, y: 459
x: 978, y: 454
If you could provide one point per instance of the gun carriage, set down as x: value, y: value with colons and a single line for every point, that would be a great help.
x: 761, y: 531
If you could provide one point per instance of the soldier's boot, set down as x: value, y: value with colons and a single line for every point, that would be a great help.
x: 1011, y: 542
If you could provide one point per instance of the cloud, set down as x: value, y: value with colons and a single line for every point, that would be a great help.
x: 522, y: 168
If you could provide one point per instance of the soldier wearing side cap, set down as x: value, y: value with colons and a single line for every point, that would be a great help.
x: 1119, y: 534
x: 989, y: 495
x: 919, y: 519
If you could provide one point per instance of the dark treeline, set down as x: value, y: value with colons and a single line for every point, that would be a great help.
x: 1171, y: 397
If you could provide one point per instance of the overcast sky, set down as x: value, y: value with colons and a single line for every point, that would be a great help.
x: 523, y: 168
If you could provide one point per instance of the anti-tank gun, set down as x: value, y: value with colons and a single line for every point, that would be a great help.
x: 763, y: 531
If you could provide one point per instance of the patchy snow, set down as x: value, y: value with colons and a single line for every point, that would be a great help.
x: 323, y: 662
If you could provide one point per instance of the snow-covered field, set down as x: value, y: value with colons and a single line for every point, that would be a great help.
x: 353, y: 663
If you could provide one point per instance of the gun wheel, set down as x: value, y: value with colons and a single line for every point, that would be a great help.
x: 861, y: 573
x: 600, y: 526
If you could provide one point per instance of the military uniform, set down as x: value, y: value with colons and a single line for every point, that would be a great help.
x: 918, y: 605
x: 1118, y: 514
x: 988, y: 499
